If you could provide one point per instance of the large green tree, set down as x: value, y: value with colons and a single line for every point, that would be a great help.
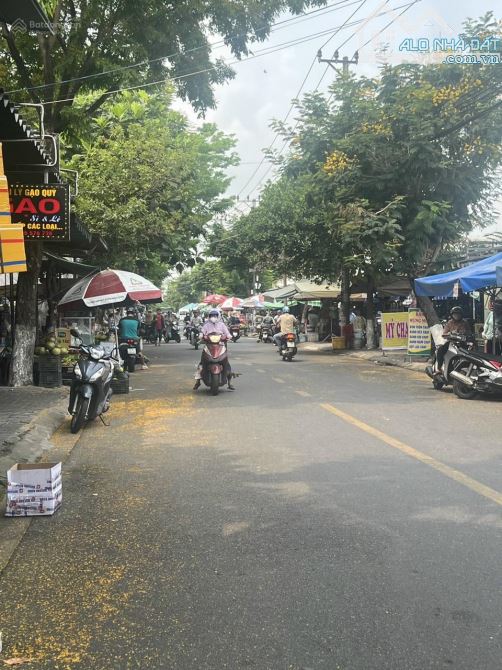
x: 411, y: 155
x: 98, y: 46
x: 149, y: 184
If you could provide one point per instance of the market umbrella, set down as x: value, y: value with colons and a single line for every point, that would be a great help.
x: 232, y: 303
x: 188, y: 308
x: 110, y: 287
x: 214, y: 299
x: 253, y: 302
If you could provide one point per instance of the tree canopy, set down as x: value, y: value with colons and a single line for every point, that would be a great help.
x: 148, y: 184
x: 100, y: 46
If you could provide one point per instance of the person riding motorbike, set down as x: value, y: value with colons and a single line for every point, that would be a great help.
x: 129, y: 329
x: 267, y: 323
x: 455, y: 325
x: 286, y: 323
x: 215, y: 324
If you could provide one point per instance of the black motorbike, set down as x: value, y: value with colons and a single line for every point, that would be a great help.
x: 265, y: 333
x: 288, y: 348
x: 128, y: 353
x: 195, y: 336
x: 172, y: 332
x: 90, y: 391
x: 235, y: 331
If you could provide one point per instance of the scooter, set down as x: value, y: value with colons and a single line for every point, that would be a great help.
x: 473, y: 372
x: 90, y: 391
x: 214, y: 355
x: 194, y: 336
x: 235, y: 331
x: 172, y: 332
x: 128, y: 353
x: 288, y: 348
x: 267, y: 334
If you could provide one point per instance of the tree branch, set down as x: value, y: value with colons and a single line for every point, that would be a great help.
x: 19, y: 61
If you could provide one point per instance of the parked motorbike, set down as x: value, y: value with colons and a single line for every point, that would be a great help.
x: 288, y: 348
x: 214, y: 355
x: 470, y: 372
x: 90, y: 391
x: 235, y: 331
x: 128, y: 353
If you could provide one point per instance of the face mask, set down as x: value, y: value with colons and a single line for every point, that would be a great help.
x: 213, y: 319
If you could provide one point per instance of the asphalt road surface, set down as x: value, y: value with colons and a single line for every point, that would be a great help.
x: 329, y: 514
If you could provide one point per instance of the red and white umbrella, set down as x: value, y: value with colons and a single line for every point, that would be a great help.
x: 232, y: 303
x: 110, y: 287
x: 254, y: 301
x: 214, y: 299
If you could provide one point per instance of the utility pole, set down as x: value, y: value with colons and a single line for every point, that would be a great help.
x: 345, y: 278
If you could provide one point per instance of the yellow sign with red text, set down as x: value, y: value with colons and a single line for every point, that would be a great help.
x: 12, y: 252
x: 394, y: 330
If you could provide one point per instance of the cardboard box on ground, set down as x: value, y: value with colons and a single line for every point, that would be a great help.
x: 34, y: 489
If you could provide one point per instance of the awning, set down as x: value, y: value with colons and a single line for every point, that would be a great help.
x: 66, y: 266
x: 281, y: 293
x: 482, y: 274
x: 312, y: 291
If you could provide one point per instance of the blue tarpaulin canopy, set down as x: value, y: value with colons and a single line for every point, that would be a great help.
x: 483, y: 274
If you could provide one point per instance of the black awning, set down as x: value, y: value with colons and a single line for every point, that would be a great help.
x: 66, y: 266
x: 25, y: 16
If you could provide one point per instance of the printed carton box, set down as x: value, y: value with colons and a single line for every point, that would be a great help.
x: 34, y: 489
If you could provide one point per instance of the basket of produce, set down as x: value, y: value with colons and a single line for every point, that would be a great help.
x: 120, y: 381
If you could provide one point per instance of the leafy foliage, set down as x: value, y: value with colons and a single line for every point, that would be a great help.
x: 148, y: 184
x: 130, y: 43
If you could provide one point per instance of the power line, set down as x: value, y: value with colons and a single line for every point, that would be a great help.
x: 219, y: 44
x: 264, y: 52
x: 406, y: 8
x: 293, y: 103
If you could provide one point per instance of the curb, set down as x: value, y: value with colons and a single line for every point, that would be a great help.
x: 28, y: 445
x: 377, y: 356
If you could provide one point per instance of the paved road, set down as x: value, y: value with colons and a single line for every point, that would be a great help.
x: 329, y: 514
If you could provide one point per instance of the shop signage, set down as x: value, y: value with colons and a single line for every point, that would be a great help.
x: 12, y: 253
x: 44, y: 209
x: 394, y: 330
x: 419, y: 335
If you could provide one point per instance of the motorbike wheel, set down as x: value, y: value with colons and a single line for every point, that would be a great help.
x: 215, y: 384
x: 78, y: 419
x: 463, y: 391
x: 437, y: 384
x: 196, y: 344
x: 131, y: 364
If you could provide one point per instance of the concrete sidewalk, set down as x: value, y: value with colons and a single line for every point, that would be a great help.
x: 28, y: 417
x: 375, y: 355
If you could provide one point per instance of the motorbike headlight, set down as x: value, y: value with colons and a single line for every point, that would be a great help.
x: 99, y: 373
x: 77, y: 371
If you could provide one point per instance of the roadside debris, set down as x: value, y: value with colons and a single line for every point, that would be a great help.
x: 34, y: 489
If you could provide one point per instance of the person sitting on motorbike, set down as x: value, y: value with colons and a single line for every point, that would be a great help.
x: 215, y: 324
x: 456, y: 325
x: 129, y: 328
x: 287, y: 324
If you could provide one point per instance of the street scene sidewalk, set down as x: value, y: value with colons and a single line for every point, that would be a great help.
x: 28, y: 417
x: 378, y: 356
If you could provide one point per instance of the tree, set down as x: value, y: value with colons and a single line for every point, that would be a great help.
x: 149, y: 185
x: 390, y: 170
x: 99, y: 46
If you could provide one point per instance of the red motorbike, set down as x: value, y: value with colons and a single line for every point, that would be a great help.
x: 214, y: 356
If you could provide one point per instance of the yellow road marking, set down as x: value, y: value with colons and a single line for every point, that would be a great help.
x: 305, y: 394
x: 446, y: 470
x: 279, y: 381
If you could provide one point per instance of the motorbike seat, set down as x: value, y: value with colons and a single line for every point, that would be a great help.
x: 488, y: 357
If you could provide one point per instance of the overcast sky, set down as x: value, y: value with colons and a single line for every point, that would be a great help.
x: 263, y: 87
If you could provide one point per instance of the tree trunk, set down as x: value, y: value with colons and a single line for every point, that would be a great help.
x: 370, y: 314
x: 425, y: 304
x: 345, y: 298
x: 21, y: 369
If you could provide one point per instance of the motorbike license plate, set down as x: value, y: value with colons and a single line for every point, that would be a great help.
x: 291, y: 345
x: 131, y: 350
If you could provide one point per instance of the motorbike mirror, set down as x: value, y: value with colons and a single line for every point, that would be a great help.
x: 75, y: 333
